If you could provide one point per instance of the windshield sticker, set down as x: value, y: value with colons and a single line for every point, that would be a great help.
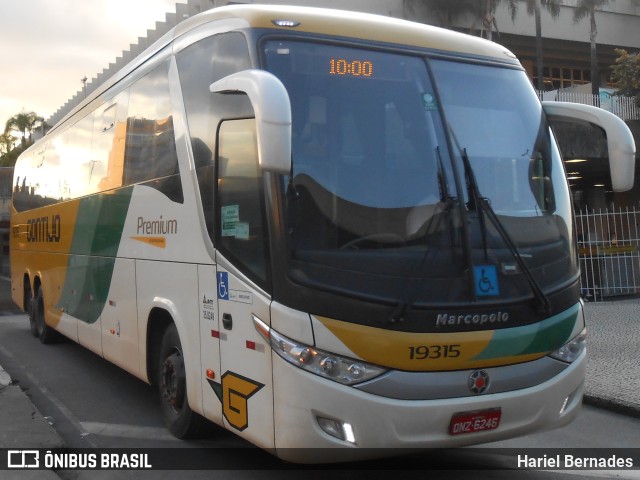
x: 230, y: 219
x: 486, y: 280
x: 242, y: 231
x: 429, y: 102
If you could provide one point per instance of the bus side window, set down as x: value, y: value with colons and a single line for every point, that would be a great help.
x: 109, y: 142
x: 199, y: 65
x: 150, y: 153
x: 241, y: 232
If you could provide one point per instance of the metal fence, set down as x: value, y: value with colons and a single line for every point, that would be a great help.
x: 609, y: 252
x: 626, y: 108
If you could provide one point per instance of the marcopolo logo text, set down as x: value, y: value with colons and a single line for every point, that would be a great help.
x: 446, y: 319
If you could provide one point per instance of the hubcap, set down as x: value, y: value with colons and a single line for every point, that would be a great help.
x: 173, y: 381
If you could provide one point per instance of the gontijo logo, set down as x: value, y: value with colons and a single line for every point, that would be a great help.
x: 44, y: 229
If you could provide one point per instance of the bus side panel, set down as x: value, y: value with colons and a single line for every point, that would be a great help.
x: 41, y: 240
x: 119, y: 319
x: 173, y: 288
x: 210, y: 334
x: 247, y: 378
x: 50, y: 269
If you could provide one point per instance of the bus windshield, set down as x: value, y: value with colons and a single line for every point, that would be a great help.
x: 378, y: 196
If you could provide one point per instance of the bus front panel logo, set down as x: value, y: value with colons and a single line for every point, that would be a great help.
x: 478, y: 382
x: 234, y: 392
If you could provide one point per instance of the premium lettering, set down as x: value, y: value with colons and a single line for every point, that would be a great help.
x: 445, y: 319
x: 157, y: 227
x: 44, y: 229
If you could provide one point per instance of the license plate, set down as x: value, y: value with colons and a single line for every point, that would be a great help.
x: 478, y: 421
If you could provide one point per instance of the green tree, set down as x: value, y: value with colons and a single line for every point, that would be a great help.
x: 625, y: 73
x: 24, y: 123
x: 534, y: 7
x: 6, y: 143
x: 584, y: 9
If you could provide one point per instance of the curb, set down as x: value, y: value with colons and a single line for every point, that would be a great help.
x: 613, y: 405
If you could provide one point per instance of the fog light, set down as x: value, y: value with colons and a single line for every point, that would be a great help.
x: 564, y: 405
x: 568, y: 402
x: 337, y: 429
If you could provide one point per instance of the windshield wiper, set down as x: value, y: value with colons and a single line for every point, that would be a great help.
x: 474, y: 200
x: 482, y: 206
x: 409, y: 293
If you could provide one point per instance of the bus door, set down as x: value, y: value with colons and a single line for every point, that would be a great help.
x: 241, y: 279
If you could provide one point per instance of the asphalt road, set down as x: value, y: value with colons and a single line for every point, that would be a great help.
x: 92, y: 403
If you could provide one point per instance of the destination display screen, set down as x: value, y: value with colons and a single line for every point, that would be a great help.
x: 354, y: 68
x: 308, y: 59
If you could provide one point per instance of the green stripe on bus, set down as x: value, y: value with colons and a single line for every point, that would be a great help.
x: 542, y: 337
x: 95, y: 243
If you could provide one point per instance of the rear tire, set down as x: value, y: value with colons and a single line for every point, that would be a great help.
x: 178, y: 417
x: 32, y: 320
x: 45, y: 333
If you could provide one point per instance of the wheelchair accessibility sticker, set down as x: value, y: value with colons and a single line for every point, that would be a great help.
x: 225, y: 293
x: 223, y: 286
x: 486, y: 280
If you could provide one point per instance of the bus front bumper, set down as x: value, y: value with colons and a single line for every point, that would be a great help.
x: 381, y: 427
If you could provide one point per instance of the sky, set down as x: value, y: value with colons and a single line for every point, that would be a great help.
x: 48, y: 46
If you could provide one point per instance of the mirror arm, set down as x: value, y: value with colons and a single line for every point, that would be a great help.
x: 272, y: 109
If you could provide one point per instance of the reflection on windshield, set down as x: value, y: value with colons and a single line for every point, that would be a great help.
x: 495, y: 116
x: 373, y: 187
x: 366, y: 128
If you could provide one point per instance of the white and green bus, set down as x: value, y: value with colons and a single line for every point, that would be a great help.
x: 316, y: 229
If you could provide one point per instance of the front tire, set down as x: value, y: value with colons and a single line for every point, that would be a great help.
x: 178, y: 417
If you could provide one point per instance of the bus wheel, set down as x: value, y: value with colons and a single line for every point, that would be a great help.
x: 45, y: 333
x: 32, y: 319
x: 178, y: 417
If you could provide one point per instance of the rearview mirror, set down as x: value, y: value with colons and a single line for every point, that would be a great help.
x: 272, y: 108
x: 620, y: 143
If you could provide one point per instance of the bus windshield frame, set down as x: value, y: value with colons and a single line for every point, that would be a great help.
x: 378, y: 201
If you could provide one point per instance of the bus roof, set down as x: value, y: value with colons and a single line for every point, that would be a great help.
x: 342, y: 23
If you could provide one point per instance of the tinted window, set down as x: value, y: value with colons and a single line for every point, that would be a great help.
x: 200, y: 65
x: 150, y: 151
x: 241, y: 232
x: 130, y: 139
x: 109, y: 131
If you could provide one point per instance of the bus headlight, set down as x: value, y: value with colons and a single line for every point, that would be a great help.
x: 328, y: 365
x: 571, y: 350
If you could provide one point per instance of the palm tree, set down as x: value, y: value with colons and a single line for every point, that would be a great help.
x: 446, y: 11
x: 534, y: 8
x: 487, y: 11
x: 24, y: 123
x: 587, y: 8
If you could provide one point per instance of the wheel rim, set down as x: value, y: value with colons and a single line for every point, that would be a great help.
x: 173, y: 382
